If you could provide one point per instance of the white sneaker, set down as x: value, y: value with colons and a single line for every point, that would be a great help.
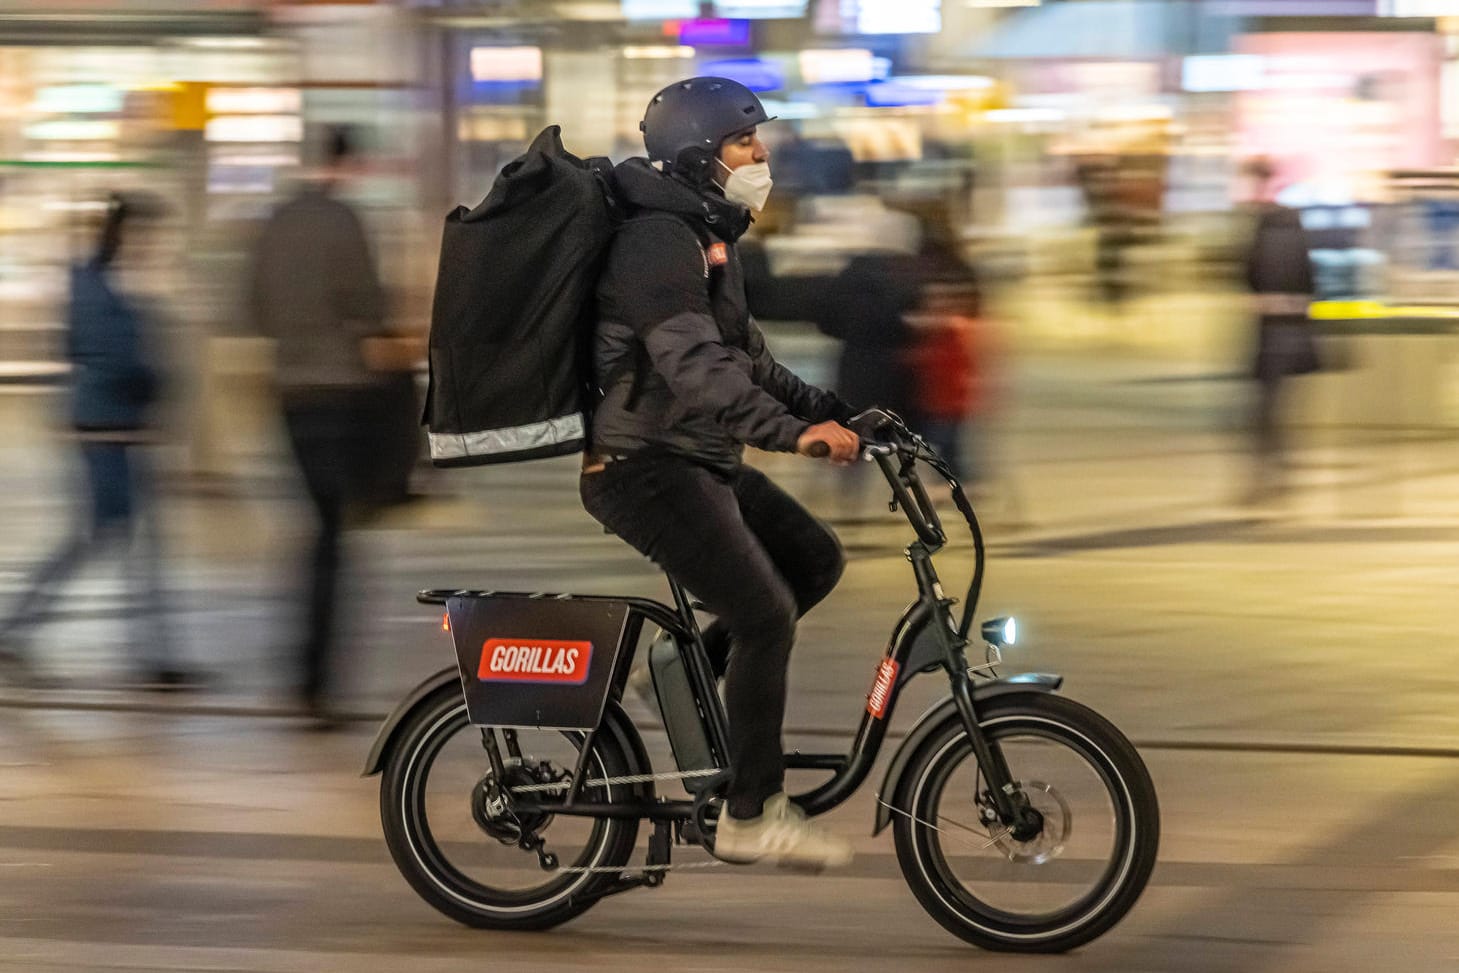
x: 781, y: 834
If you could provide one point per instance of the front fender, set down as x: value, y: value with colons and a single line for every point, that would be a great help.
x: 375, y: 762
x: 932, y: 720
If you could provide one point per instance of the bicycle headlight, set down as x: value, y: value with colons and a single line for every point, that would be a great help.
x: 1000, y: 631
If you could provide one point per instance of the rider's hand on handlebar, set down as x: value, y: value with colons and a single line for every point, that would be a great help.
x: 843, y: 444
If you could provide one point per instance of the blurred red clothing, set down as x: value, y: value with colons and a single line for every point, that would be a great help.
x: 949, y: 359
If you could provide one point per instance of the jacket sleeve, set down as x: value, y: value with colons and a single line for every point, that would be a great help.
x: 801, y: 398
x: 663, y: 266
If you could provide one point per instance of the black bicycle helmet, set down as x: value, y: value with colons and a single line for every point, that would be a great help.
x: 686, y: 123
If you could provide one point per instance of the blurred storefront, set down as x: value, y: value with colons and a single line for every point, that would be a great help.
x: 1052, y: 129
x: 132, y: 96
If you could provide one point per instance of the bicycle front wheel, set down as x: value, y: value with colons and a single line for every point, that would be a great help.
x: 1066, y: 874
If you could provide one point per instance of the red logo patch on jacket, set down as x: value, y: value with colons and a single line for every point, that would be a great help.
x: 534, y: 660
x: 717, y: 255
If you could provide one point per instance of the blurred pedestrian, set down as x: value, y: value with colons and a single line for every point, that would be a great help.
x: 114, y: 385
x: 1099, y: 181
x: 1279, y: 274
x: 314, y: 288
x: 950, y: 361
x: 864, y: 307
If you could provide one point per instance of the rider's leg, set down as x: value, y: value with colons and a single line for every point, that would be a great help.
x: 688, y: 520
x: 804, y: 550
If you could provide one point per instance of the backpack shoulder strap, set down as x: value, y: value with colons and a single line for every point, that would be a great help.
x: 638, y: 362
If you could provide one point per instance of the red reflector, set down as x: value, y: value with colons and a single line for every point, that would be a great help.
x: 446, y: 622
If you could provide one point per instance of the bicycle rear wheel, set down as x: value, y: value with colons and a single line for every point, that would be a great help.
x: 458, y: 844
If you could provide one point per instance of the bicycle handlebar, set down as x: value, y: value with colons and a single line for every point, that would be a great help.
x: 886, y: 439
x: 909, y: 494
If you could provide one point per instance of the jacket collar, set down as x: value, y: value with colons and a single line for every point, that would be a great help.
x: 645, y: 187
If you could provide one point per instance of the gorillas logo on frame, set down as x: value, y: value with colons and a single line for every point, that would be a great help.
x: 535, y: 660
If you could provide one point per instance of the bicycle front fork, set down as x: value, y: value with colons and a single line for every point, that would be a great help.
x: 1002, y: 789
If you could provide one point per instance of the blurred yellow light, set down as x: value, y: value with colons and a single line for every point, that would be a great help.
x: 253, y: 101
x: 657, y: 52
x: 491, y: 128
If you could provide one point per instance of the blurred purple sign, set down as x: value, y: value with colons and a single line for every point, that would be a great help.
x: 715, y: 33
x: 752, y: 72
x: 1292, y: 8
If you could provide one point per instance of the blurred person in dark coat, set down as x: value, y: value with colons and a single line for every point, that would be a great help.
x: 114, y: 385
x: 862, y: 307
x: 315, y: 290
x: 1279, y: 274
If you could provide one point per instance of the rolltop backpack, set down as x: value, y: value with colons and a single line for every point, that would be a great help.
x: 512, y: 318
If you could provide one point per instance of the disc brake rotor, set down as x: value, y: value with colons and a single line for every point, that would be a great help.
x: 1058, y: 821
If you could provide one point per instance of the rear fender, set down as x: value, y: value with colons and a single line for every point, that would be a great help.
x: 938, y: 716
x: 380, y: 749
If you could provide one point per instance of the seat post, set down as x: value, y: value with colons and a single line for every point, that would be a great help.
x: 685, y: 607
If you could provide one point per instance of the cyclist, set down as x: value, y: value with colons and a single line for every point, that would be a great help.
x: 687, y: 382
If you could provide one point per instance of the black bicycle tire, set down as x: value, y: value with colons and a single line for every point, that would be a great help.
x: 513, y: 911
x: 949, y: 907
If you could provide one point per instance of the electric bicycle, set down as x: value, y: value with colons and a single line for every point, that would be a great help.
x: 515, y: 784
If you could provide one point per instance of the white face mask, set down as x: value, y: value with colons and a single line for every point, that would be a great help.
x: 749, y: 185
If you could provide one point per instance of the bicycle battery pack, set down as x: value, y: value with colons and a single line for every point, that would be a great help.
x: 687, y: 737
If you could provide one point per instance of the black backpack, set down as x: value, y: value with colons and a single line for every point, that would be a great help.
x: 512, y: 320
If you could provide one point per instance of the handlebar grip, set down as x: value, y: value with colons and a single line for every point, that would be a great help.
x: 819, y: 450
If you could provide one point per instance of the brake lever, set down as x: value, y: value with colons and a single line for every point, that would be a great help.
x: 870, y: 451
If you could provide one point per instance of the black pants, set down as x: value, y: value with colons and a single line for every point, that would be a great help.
x: 329, y: 435
x: 756, y: 558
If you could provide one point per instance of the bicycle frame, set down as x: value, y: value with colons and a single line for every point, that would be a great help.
x: 925, y: 638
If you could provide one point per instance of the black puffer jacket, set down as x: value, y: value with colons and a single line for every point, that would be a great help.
x: 672, y: 312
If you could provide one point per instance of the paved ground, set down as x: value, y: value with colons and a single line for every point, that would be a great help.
x: 1287, y: 671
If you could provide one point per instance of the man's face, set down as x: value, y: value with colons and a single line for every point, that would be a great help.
x: 741, y: 150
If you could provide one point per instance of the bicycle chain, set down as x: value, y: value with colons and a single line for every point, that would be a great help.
x: 563, y: 785
x: 642, y: 868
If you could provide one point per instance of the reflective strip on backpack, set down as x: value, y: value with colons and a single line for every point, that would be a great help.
x: 513, y: 439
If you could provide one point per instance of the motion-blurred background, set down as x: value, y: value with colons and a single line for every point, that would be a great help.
x: 1254, y: 578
